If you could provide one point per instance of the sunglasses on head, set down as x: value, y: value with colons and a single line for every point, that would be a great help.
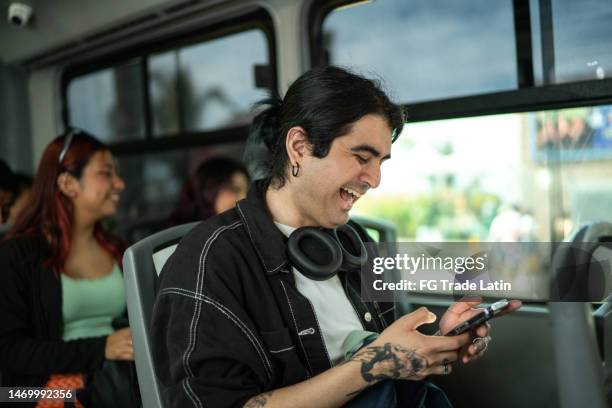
x: 67, y: 142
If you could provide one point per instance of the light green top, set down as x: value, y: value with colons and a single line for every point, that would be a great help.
x: 90, y: 305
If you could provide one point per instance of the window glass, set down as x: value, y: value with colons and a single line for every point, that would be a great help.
x: 576, y: 146
x: 427, y: 50
x: 582, y: 36
x: 533, y: 176
x: 526, y: 177
x: 200, y: 87
x: 209, y: 85
x: 109, y: 103
x: 163, y: 86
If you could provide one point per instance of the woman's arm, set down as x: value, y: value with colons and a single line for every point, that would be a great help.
x: 28, y: 356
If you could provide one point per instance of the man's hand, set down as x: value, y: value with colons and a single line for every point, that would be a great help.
x: 401, y: 352
x: 463, y: 310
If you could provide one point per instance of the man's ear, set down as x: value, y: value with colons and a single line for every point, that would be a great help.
x: 68, y: 185
x: 297, y: 144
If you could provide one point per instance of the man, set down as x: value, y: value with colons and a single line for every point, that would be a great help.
x: 235, y: 325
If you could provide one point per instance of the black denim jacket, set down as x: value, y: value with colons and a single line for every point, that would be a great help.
x: 229, y: 322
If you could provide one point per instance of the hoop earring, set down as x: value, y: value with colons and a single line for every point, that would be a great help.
x: 295, y: 170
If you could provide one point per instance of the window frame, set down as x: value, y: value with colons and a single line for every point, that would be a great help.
x: 258, y: 19
x: 527, y: 97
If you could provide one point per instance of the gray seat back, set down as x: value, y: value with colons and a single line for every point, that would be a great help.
x: 142, y: 263
x: 579, y: 367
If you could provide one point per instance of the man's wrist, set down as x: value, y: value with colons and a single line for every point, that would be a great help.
x: 369, y: 370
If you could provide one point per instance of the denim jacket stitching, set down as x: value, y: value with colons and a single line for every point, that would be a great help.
x: 320, y: 332
x: 199, y: 283
x: 297, y: 329
x: 231, y: 316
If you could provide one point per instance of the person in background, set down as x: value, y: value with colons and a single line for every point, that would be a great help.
x: 7, y: 183
x: 61, y: 286
x: 8, y: 189
x: 19, y: 199
x: 215, y: 187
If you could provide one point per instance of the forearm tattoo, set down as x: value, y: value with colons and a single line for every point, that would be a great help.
x: 389, y: 362
x: 258, y: 401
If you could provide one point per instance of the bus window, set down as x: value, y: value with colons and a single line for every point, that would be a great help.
x: 521, y: 177
x: 189, y: 89
x: 108, y: 103
x: 426, y: 50
x: 576, y: 146
x: 448, y: 180
x: 533, y: 176
x: 576, y: 38
x: 208, y: 85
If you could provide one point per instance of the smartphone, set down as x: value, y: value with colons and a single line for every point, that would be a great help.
x: 480, y: 318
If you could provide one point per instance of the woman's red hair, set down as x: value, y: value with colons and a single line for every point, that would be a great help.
x: 49, y: 213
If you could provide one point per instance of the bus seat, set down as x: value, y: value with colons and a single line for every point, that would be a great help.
x: 602, y: 232
x: 142, y: 263
x: 384, y: 231
x: 603, y: 328
x: 579, y: 368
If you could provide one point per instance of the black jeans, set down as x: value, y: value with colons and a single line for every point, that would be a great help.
x: 401, y: 394
x: 114, y: 385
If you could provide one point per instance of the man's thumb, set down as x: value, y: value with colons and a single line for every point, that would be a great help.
x: 419, y: 317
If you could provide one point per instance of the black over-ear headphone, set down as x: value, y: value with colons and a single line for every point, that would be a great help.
x: 320, y: 253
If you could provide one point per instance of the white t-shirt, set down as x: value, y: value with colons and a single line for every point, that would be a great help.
x: 334, y: 311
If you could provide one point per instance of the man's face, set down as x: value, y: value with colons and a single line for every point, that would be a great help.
x: 327, y: 188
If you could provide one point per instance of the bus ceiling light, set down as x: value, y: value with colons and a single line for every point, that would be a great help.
x: 20, y: 14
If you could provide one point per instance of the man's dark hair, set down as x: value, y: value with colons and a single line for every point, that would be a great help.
x: 325, y: 102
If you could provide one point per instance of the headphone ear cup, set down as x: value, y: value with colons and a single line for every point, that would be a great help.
x: 314, y: 253
x: 354, y: 254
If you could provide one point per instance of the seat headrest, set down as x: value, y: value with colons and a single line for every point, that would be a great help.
x: 161, y: 256
x: 600, y: 231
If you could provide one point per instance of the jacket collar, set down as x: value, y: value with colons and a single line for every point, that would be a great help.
x: 267, y: 239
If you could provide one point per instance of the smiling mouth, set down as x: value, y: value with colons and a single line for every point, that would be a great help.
x: 349, y: 196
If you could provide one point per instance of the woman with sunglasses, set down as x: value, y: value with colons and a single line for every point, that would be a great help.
x: 61, y: 287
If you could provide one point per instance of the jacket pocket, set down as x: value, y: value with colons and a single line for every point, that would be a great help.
x: 288, y: 367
